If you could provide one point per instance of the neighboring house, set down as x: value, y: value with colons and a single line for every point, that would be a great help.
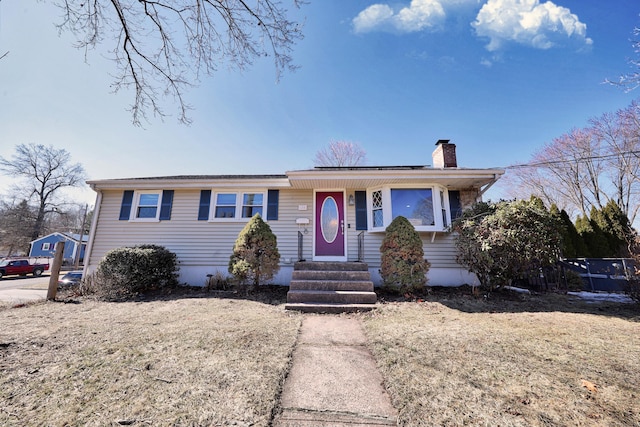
x: 44, y: 246
x: 325, y: 213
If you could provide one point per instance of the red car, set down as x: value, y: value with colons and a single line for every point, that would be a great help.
x: 21, y: 267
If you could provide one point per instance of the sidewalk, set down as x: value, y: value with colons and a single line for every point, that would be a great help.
x: 18, y: 296
x: 334, y: 380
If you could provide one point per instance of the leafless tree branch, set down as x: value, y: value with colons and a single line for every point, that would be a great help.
x: 341, y: 153
x: 163, y: 47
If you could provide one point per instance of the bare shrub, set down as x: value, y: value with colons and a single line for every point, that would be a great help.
x: 217, y: 282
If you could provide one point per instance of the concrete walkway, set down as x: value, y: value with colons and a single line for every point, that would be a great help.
x: 334, y: 380
x: 17, y: 296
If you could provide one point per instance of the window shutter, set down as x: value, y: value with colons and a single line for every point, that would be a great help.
x: 165, y: 205
x: 361, y: 210
x: 454, y: 204
x: 125, y: 207
x: 205, y: 204
x: 272, y: 205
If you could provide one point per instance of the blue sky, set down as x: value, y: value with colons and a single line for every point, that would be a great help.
x: 499, y: 78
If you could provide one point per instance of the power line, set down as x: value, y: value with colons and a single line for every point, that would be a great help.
x: 576, y: 160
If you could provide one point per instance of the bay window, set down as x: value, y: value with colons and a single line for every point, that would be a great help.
x: 426, y: 208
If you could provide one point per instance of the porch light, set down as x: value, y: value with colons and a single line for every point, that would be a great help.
x: 352, y: 200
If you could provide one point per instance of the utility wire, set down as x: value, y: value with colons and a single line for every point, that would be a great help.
x: 576, y: 160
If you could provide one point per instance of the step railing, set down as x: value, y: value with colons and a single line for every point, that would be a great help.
x: 300, y: 246
x: 361, y: 247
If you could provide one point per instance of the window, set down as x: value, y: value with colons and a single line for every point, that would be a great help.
x: 46, y: 246
x: 414, y: 204
x: 426, y: 208
x: 225, y: 205
x: 251, y: 204
x: 239, y: 205
x: 376, y: 209
x: 443, y: 209
x: 148, y: 205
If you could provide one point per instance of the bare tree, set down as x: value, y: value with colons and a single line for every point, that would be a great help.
x: 620, y: 135
x: 631, y: 80
x: 587, y: 167
x: 162, y: 47
x: 43, y: 171
x: 341, y: 153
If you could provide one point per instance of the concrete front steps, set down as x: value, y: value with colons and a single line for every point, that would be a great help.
x: 331, y: 287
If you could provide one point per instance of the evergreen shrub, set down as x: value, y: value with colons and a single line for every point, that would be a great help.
x: 255, y: 259
x: 403, y: 268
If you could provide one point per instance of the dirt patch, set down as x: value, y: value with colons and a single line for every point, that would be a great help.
x: 181, y: 361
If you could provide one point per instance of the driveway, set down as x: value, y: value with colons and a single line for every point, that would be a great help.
x: 17, y: 289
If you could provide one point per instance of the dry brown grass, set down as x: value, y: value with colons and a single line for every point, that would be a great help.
x: 183, y: 362
x: 470, y: 362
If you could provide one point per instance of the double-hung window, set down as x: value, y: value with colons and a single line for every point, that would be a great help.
x: 228, y: 205
x: 147, y: 206
x: 252, y: 204
x: 426, y: 208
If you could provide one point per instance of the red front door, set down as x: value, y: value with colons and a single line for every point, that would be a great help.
x: 329, y: 224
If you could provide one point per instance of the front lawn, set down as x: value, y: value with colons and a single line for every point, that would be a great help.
x: 534, y: 361
x: 196, y: 361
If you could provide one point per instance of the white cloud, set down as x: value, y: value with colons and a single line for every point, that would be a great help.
x: 419, y: 15
x: 486, y: 63
x: 528, y: 22
x: 373, y: 17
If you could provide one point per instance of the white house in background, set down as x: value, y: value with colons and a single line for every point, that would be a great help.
x: 325, y: 213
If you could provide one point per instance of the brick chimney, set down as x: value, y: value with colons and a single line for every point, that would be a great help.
x: 444, y: 156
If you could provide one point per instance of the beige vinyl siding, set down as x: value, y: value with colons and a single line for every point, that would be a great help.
x: 210, y: 243
x: 196, y: 243
x: 286, y: 229
x: 441, y: 253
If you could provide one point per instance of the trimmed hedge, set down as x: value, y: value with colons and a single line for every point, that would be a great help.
x: 128, y: 271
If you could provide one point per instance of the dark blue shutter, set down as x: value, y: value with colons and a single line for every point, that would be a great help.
x: 205, y: 204
x: 165, y: 205
x: 273, y: 197
x: 125, y: 207
x: 455, y: 205
x: 361, y: 210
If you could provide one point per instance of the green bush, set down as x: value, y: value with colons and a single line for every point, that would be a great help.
x: 127, y: 271
x: 255, y: 259
x: 403, y: 267
x: 500, y: 242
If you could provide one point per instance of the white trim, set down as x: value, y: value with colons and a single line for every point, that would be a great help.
x: 345, y: 236
x: 387, y: 212
x: 92, y: 234
x: 196, y: 182
x: 135, y: 204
